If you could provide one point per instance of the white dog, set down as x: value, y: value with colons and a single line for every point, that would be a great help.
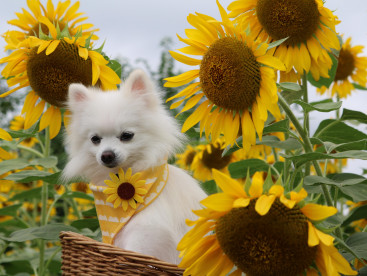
x: 131, y: 129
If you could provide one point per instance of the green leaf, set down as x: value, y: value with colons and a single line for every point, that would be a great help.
x: 322, y: 107
x: 301, y: 159
x: 292, y: 96
x: 281, y: 126
x: 33, y: 175
x: 338, y: 132
x: 276, y: 43
x: 47, y: 162
x: 358, y: 242
x: 273, y: 141
x: 29, y: 195
x: 325, y: 81
x: 10, y: 210
x: 90, y: 223
x: 90, y: 213
x: 356, y: 213
x: 13, y: 164
x: 77, y: 194
x: 21, y: 163
x: 115, y: 66
x: 209, y: 187
x: 47, y: 232
x: 239, y: 169
x: 354, y: 115
x: 360, y: 87
x: 289, y: 86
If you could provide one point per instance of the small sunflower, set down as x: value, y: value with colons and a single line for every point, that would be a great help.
x: 50, y: 60
x: 351, y: 68
x: 261, y: 231
x: 308, y: 25
x: 210, y: 157
x: 125, y: 189
x: 184, y: 160
x: 18, y: 124
x: 236, y: 88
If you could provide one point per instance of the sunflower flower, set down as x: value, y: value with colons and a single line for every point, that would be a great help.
x: 209, y: 156
x: 351, y: 68
x: 18, y: 124
x: 236, y: 88
x: 184, y: 160
x: 125, y: 189
x: 50, y: 59
x: 261, y: 231
x: 308, y: 26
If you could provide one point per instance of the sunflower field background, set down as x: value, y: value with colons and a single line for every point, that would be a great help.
x: 282, y: 199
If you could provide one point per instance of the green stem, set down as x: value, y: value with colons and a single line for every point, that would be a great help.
x: 33, y: 151
x: 52, y: 256
x: 307, y: 144
x: 306, y: 120
x: 44, y: 198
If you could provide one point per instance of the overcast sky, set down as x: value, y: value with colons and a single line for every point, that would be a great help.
x: 133, y: 29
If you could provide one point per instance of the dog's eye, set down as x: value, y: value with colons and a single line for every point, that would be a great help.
x: 96, y: 139
x: 126, y: 136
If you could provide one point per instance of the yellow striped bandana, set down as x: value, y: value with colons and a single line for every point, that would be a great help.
x: 126, y: 195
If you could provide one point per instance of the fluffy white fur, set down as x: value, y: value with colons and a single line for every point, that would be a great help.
x: 137, y: 109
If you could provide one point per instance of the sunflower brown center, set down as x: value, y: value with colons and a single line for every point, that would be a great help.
x: 51, y: 75
x: 214, y: 160
x: 296, y: 19
x: 345, y: 65
x: 230, y: 75
x: 273, y: 244
x: 189, y: 158
x: 126, y: 191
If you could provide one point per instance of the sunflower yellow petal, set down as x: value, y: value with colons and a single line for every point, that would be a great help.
x: 218, y: 202
x: 118, y: 202
x: 128, y: 174
x: 182, y: 78
x: 124, y: 204
x: 5, y: 135
x: 272, y: 62
x: 276, y: 190
x: 110, y: 183
x: 52, y: 47
x: 138, y: 198
x: 83, y: 52
x: 318, y: 212
x: 111, y: 198
x: 32, y: 117
x: 185, y: 59
x: 140, y: 191
x: 55, y: 126
x: 313, y: 239
x: 263, y: 204
x: 50, y: 26
x: 195, y: 117
x: 46, y: 119
x: 241, y: 202
x: 325, y: 238
x: 109, y: 191
x: 132, y: 203
x: 43, y: 46
x: 228, y: 185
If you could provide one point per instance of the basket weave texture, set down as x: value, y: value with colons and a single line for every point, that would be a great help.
x: 84, y: 256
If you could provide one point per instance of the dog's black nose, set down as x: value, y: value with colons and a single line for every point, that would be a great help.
x: 108, y: 157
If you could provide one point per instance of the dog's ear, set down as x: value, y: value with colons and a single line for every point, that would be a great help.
x: 77, y: 94
x: 139, y: 84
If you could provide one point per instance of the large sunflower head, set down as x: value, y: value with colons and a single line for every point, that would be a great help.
x: 308, y: 26
x: 351, y: 68
x: 50, y: 59
x: 236, y: 86
x: 260, y: 229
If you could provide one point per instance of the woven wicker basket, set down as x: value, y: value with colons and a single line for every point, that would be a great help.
x: 84, y: 256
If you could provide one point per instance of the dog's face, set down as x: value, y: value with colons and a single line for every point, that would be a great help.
x: 117, y: 129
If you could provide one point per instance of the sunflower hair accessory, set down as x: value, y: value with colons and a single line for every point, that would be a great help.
x: 125, y: 195
x: 262, y: 230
